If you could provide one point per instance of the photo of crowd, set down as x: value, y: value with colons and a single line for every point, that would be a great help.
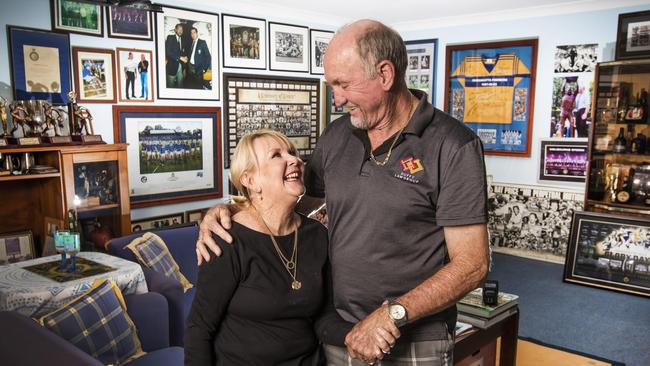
x: 244, y: 42
x: 288, y: 47
x: 164, y: 149
x: 576, y: 58
x: 290, y: 119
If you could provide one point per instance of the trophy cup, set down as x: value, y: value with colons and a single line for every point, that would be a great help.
x: 53, y: 131
x: 81, y: 120
x: 3, y: 119
x: 22, y: 124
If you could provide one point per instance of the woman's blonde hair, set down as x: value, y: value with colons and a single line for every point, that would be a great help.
x: 244, y: 160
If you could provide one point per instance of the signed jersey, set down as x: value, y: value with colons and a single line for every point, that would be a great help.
x: 489, y: 86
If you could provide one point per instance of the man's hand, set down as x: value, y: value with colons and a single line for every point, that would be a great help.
x: 373, y: 337
x: 216, y: 220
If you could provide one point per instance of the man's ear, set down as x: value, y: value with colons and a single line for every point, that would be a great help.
x: 386, y: 73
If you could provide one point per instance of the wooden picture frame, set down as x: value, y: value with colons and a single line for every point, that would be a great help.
x: 16, y: 247
x: 318, y: 42
x: 288, y: 47
x: 196, y: 215
x: 129, y: 23
x: 94, y: 75
x: 139, y: 94
x: 82, y: 17
x: 564, y: 160
x: 157, y: 222
x: 632, y: 36
x: 491, y: 87
x: 179, y: 161
x: 422, y: 66
x: 609, y: 251
x: 244, y: 42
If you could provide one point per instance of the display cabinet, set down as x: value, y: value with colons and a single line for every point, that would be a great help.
x: 619, y: 153
x: 49, y: 182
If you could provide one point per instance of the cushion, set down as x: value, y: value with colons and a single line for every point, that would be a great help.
x: 97, y: 323
x: 153, y: 253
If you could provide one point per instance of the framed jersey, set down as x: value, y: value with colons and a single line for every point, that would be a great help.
x: 491, y: 87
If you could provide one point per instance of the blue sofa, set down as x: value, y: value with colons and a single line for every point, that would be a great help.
x: 28, y: 343
x: 181, y: 242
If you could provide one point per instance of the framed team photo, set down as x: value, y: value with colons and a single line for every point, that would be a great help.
x: 187, y: 54
x: 421, y: 69
x: 174, y: 153
x: 135, y: 70
x: 633, y: 36
x: 244, y: 42
x: 288, y: 47
x: 564, y: 160
x: 94, y: 75
x: 318, y: 42
x: 491, y: 88
x: 81, y: 17
x: 129, y: 23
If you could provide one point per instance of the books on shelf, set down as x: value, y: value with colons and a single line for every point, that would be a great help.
x: 485, y: 323
x: 472, y: 304
x: 461, y: 328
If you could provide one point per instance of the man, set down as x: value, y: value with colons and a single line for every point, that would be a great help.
x: 407, y: 206
x: 143, y: 69
x: 582, y: 105
x: 200, y: 61
x: 175, y: 57
x: 129, y: 69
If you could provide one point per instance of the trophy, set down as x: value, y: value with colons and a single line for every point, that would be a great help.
x: 81, y: 122
x: 53, y: 132
x: 3, y: 119
x: 23, y: 130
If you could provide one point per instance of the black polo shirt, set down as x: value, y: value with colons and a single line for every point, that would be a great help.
x: 386, y: 222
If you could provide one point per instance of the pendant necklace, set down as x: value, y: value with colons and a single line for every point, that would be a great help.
x: 290, y: 264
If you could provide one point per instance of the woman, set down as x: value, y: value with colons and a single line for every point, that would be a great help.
x: 255, y: 303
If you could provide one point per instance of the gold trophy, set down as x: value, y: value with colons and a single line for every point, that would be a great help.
x: 81, y: 122
x: 22, y: 121
x: 53, y: 131
x: 4, y: 114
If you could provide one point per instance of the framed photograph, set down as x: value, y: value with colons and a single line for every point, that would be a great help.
x: 81, y: 17
x: 40, y: 64
x: 16, y: 247
x: 196, y: 215
x: 332, y: 112
x: 135, y: 70
x: 50, y: 226
x: 244, y: 42
x: 94, y: 75
x: 174, y: 153
x: 318, y: 42
x: 421, y: 69
x: 287, y: 105
x: 564, y: 160
x: 288, y: 47
x: 129, y: 23
x: 187, y: 52
x: 157, y: 222
x: 576, y: 58
x: 571, y: 105
x: 491, y: 87
x: 609, y: 251
x: 633, y: 36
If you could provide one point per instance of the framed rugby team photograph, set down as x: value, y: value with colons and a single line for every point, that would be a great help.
x: 288, y: 47
x: 94, y: 75
x: 174, y: 153
x: 421, y: 68
x: 633, y: 36
x: 609, y: 251
x: 81, y: 17
x: 318, y: 42
x: 244, y: 42
x: 564, y: 160
x: 129, y: 23
x: 491, y: 88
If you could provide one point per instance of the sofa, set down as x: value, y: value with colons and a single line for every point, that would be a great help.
x: 28, y: 343
x: 181, y: 242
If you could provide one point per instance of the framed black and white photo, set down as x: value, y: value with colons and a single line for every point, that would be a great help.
x: 135, y: 75
x: 81, y: 17
x: 576, y: 58
x: 609, y: 251
x: 94, y: 75
x: 288, y: 47
x: 157, y: 222
x: 318, y: 42
x: 187, y: 54
x: 564, y: 160
x: 421, y: 70
x: 16, y: 247
x: 633, y: 36
x: 129, y: 23
x: 244, y: 42
x: 287, y: 105
x: 174, y: 153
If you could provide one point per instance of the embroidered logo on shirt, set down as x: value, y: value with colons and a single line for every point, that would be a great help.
x: 411, y: 165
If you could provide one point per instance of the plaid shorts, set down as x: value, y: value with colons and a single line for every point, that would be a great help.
x: 426, y: 353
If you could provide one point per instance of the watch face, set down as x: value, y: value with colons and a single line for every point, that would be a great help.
x: 397, y: 312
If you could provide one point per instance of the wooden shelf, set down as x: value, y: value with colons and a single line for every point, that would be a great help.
x: 622, y: 207
x: 7, y: 178
x: 95, y: 208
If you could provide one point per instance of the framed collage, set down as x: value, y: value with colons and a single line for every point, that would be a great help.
x: 564, y: 160
x: 288, y: 105
x: 421, y: 67
x: 174, y: 153
x: 94, y: 75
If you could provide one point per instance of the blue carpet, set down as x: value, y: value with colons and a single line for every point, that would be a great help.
x: 607, y: 324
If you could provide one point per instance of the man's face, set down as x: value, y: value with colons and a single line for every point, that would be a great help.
x: 179, y: 30
x: 130, y: 56
x: 141, y: 57
x: 194, y: 34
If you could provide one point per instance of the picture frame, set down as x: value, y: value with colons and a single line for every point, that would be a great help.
x: 45, y: 73
x: 196, y: 215
x: 82, y: 17
x: 610, y: 252
x: 331, y: 111
x: 94, y: 75
x: 139, y: 94
x: 129, y: 23
x: 16, y: 247
x: 50, y: 226
x: 288, y: 45
x: 564, y: 160
x: 178, y: 77
x: 244, y: 42
x: 491, y: 88
x: 422, y: 66
x: 157, y: 222
x: 265, y: 101
x: 162, y: 172
x: 318, y: 42
x: 632, y: 36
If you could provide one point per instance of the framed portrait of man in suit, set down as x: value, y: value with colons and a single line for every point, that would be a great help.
x: 187, y: 50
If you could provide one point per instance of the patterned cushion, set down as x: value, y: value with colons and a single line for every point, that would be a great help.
x: 152, y: 252
x: 97, y: 323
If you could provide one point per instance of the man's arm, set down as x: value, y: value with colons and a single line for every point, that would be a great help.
x: 216, y: 220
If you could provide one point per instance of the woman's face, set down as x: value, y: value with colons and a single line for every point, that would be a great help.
x: 280, y: 171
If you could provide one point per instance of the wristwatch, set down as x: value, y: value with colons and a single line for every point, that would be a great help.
x: 397, y: 312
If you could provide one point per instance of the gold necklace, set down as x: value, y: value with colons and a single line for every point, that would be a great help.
x: 290, y: 264
x: 390, y: 149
